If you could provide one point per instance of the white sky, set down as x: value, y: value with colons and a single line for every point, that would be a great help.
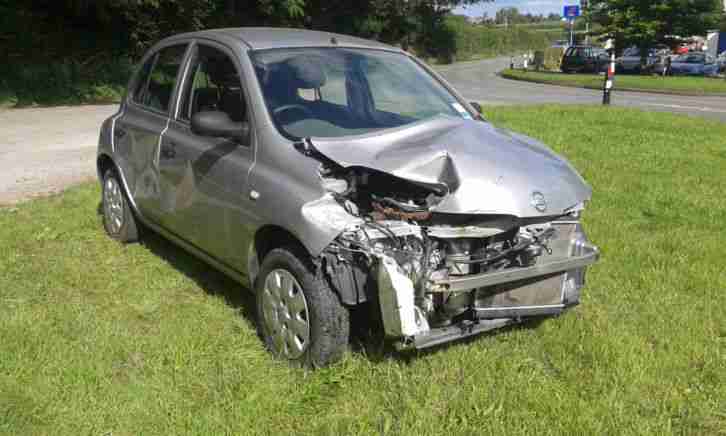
x: 534, y: 6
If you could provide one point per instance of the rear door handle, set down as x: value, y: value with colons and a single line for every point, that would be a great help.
x: 119, y: 133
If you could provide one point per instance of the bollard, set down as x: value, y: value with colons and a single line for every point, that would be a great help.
x: 609, y: 78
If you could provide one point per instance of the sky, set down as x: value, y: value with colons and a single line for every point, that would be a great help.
x: 534, y: 6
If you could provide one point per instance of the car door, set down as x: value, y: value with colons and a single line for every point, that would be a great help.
x: 138, y: 131
x: 204, y: 180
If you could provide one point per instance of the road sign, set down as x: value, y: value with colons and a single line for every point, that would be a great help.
x: 572, y: 12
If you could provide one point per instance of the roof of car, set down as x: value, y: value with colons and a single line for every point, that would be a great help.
x: 258, y: 38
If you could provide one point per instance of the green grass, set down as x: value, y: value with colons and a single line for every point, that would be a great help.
x: 99, y: 338
x: 668, y: 85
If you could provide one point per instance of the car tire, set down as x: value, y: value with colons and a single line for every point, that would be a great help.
x: 118, y: 218
x: 299, y: 317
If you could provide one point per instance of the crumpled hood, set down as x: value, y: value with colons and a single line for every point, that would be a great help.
x: 485, y: 170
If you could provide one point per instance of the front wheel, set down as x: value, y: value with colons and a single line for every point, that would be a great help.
x: 299, y: 317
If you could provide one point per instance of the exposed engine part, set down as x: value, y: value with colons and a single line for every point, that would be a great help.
x: 458, y: 255
x: 382, y: 212
x: 467, y: 229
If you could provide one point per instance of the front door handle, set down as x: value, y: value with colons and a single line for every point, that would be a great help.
x: 168, y: 150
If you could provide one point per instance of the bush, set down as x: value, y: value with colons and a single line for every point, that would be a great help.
x: 485, y: 41
x: 67, y: 81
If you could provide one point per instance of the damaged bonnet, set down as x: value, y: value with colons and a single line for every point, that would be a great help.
x: 477, y: 168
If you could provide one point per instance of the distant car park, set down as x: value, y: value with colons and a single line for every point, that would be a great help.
x: 584, y: 59
x: 695, y: 64
x: 630, y: 61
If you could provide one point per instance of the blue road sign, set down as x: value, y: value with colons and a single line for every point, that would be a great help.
x: 571, y: 12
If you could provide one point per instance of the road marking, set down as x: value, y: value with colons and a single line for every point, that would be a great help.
x: 678, y: 106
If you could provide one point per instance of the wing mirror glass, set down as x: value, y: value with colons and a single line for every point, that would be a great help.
x: 219, y: 124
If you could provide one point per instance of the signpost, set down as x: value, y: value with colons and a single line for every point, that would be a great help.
x: 570, y: 13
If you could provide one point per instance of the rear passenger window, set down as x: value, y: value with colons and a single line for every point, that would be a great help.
x: 155, y: 91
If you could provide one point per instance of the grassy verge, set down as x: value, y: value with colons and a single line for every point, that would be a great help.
x: 666, y: 85
x: 98, y: 338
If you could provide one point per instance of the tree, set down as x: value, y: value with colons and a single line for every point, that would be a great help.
x: 86, y: 29
x: 646, y: 23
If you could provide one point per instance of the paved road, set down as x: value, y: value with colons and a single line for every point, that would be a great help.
x: 478, y: 81
x: 45, y: 150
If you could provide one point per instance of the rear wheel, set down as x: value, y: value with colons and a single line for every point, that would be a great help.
x: 118, y: 219
x: 299, y: 317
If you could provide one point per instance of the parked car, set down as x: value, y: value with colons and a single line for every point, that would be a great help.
x: 328, y: 173
x: 721, y: 62
x: 584, y: 59
x: 630, y: 61
x: 695, y: 64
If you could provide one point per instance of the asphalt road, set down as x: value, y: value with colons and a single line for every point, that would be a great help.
x: 478, y: 81
x: 47, y: 149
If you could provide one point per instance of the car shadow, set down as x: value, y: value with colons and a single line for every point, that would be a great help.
x: 209, y: 279
x: 367, y: 337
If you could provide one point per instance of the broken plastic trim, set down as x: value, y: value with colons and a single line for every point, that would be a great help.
x: 401, y: 317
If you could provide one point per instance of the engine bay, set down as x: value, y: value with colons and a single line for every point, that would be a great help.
x: 404, y: 252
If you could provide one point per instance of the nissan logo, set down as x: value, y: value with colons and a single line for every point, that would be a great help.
x: 539, y: 202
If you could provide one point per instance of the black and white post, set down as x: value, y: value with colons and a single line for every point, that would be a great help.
x: 609, y: 78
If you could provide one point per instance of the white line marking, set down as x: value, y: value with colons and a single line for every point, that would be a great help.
x: 678, y: 106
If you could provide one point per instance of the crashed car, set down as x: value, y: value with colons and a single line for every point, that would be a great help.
x: 329, y: 173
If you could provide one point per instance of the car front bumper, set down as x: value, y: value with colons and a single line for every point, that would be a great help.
x: 507, y: 297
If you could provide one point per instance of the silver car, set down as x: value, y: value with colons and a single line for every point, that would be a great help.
x: 328, y: 173
x: 695, y: 64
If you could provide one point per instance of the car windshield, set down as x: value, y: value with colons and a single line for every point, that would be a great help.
x: 331, y: 92
x: 691, y: 59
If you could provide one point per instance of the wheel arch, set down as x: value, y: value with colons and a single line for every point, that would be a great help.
x: 105, y: 162
x: 266, y: 239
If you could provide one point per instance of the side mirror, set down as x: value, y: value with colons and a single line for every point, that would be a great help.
x: 218, y: 124
x: 479, y: 110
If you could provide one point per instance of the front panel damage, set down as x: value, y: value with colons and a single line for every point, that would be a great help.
x: 441, y: 276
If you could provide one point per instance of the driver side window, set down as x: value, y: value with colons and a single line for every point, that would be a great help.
x: 213, y: 84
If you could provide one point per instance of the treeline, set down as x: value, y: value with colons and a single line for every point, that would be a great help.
x: 472, y: 41
x: 84, y: 50
x: 33, y: 30
x: 511, y: 15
